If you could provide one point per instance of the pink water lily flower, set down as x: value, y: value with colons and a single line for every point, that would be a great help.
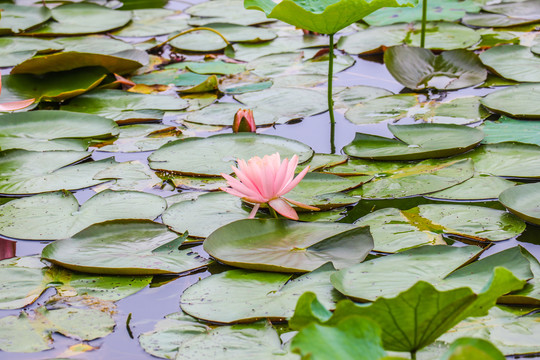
x: 266, y: 180
x: 14, y: 105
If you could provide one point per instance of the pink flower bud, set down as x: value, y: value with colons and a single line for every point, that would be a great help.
x: 244, y: 121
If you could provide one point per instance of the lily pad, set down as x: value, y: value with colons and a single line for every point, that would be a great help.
x: 414, y: 142
x: 31, y: 172
x: 33, y: 332
x: 516, y: 101
x: 245, y: 295
x: 25, y: 279
x: 94, y: 44
x: 152, y: 22
x: 224, y: 11
x: 129, y: 175
x: 170, y: 76
x: 14, y: 50
x: 418, y: 68
x: 479, y: 187
x: 57, y: 215
x: 16, y: 19
x: 506, y: 129
x: 468, y: 346
x: 495, y: 20
x: 223, y: 114
x: 288, y: 246
x: 198, y: 156
x: 45, y: 130
x: 82, y: 18
x: 514, y: 62
x: 125, y: 107
x: 124, y: 247
x: 506, y: 14
x: 139, y: 137
x: 350, y: 96
x: 217, y: 67
x: 523, y: 200
x: 249, y: 52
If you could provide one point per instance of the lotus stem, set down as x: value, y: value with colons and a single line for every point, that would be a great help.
x: 413, y: 355
x: 424, y: 19
x: 191, y: 30
x: 274, y: 213
x: 330, y: 101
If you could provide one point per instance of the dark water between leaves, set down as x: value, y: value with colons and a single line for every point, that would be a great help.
x: 162, y: 297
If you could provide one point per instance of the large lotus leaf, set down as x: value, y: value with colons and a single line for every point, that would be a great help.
x: 125, y: 107
x: 326, y: 17
x: 25, y: 279
x: 139, y: 137
x: 523, y: 200
x: 215, y: 154
x: 57, y: 215
x: 33, y: 332
x: 224, y: 11
x: 353, y: 338
x: 152, y: 22
x: 414, y: 142
x: 306, y: 102
x: 16, y: 19
x: 506, y: 129
x: 514, y: 62
x: 530, y: 294
x: 434, y: 264
x: 46, y: 130
x: 14, y: 50
x: 223, y: 114
x: 288, y: 246
x: 82, y: 18
x: 249, y: 52
x: 54, y: 86
x: 439, y: 36
x: 479, y: 187
x: 516, y: 101
x: 506, y: 159
x: 120, y: 62
x: 30, y: 172
x: 419, y: 68
x: 514, y: 331
x: 245, y: 295
x: 466, y: 347
x: 124, y: 247
x: 448, y: 10
x: 415, y: 179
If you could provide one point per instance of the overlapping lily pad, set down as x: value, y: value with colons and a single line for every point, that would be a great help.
x: 224, y: 11
x: 249, y: 52
x: 152, y: 22
x: 506, y: 129
x: 57, y: 215
x: 288, y: 246
x: 140, y: 137
x: 414, y: 142
x: 524, y: 201
x: 244, y: 295
x: 479, y: 187
x: 16, y: 19
x: 53, y: 130
x: 418, y: 68
x: 215, y: 154
x: 14, y: 50
x: 31, y: 172
x: 516, y: 101
x: 124, y: 247
x: 514, y: 62
x: 25, y: 279
x: 505, y: 14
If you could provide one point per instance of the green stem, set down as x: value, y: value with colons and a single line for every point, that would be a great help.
x: 330, y: 101
x: 191, y: 30
x: 413, y: 355
x: 274, y: 213
x: 424, y: 18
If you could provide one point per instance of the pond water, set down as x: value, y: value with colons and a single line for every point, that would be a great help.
x: 151, y: 304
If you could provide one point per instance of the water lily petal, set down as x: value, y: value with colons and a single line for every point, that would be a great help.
x: 16, y: 105
x: 253, y: 211
x: 301, y: 205
x: 295, y: 182
x: 283, y: 208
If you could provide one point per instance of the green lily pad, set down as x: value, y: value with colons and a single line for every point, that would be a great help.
x: 57, y: 86
x: 125, y: 107
x: 45, y: 130
x: 516, y: 101
x: 224, y: 11
x: 462, y: 111
x: 57, y: 215
x: 33, y: 332
x: 506, y: 14
x: 506, y: 129
x: 120, y: 62
x: 514, y: 62
x: 129, y: 175
x: 216, y: 67
x: 139, y: 137
x: 523, y: 200
x: 223, y: 114
x: 16, y: 19
x: 82, y: 18
x: 170, y: 76
x: 415, y: 179
x: 434, y: 264
x: 152, y: 22
x: 414, y: 142
x: 245, y: 295
x: 495, y: 20
x: 392, y: 107
x: 439, y: 36
x: 530, y: 294
x: 464, y: 347
x: 418, y: 68
x: 479, y: 187
x: 14, y: 50
x: 288, y: 246
x: 124, y: 247
x: 232, y: 147
x: 324, y: 18
x: 350, y: 96
x: 25, y: 279
x: 94, y: 44
x: 448, y: 10
x: 31, y: 172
